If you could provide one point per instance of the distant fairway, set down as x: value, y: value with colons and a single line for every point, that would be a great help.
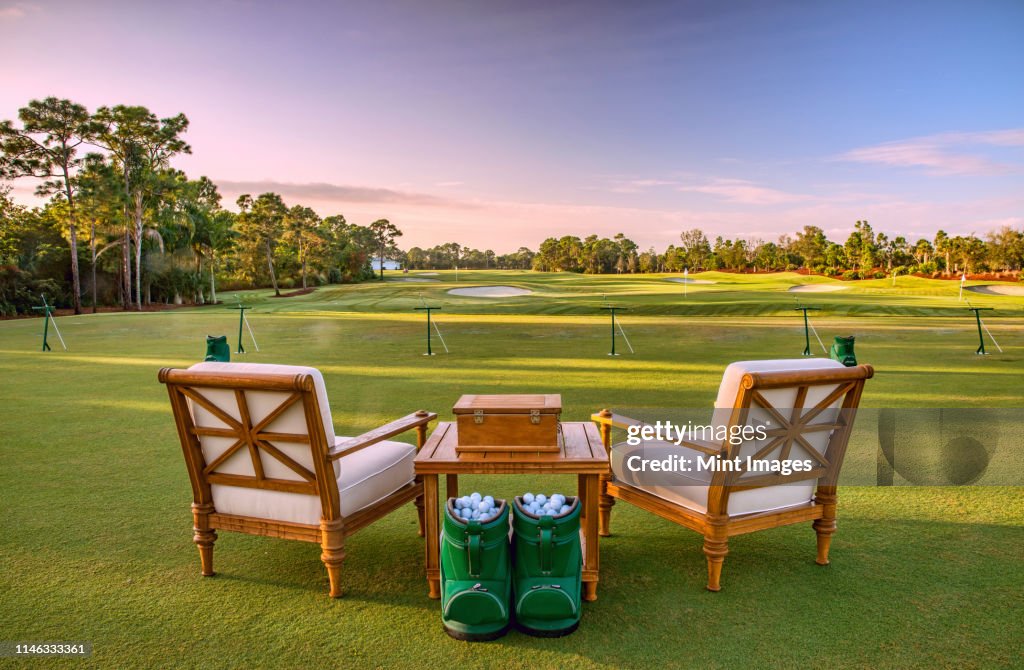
x: 567, y: 293
x: 96, y: 531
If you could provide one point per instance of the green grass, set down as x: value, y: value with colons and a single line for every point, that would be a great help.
x: 96, y: 530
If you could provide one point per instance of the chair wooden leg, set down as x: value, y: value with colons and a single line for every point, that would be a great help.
x: 332, y: 541
x: 419, y: 509
x: 825, y: 527
x: 824, y: 541
x: 204, y: 536
x: 715, y: 549
x: 604, y: 504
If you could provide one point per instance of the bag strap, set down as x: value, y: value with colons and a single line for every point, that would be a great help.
x: 474, y: 531
x: 546, y: 528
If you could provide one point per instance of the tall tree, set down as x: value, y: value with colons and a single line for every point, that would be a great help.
x: 695, y: 248
x: 142, y: 146
x: 99, y: 195
x: 301, y: 224
x: 942, y: 247
x: 811, y: 244
x: 384, y: 233
x: 262, y: 221
x: 46, y: 147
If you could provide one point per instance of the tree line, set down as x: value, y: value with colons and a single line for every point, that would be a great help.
x: 145, y: 231
x: 865, y: 253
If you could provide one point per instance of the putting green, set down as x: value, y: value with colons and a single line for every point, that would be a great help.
x: 96, y: 531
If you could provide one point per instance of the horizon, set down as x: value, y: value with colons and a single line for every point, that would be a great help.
x: 498, y: 127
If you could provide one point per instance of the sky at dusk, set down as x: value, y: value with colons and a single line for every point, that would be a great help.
x: 498, y: 124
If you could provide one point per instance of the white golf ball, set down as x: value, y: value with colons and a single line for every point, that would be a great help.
x: 527, y: 498
x: 465, y: 501
x: 541, y: 498
x: 489, y: 499
x: 565, y: 509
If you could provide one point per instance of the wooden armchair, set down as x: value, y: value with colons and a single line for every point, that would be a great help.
x: 808, y: 405
x: 263, y: 459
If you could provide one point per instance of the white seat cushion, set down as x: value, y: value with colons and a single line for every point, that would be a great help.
x: 690, y: 489
x: 374, y: 473
x: 367, y: 476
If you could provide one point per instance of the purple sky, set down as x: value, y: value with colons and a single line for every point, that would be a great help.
x: 499, y: 124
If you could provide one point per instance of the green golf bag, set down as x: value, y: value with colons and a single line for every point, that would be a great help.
x: 548, y: 563
x: 842, y: 351
x: 217, y: 349
x: 476, y: 578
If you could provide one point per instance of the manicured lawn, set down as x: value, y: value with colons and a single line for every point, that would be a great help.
x: 96, y: 529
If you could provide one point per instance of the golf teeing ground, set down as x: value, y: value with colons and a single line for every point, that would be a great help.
x: 97, y: 541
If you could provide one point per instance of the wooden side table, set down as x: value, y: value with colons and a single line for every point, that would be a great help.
x: 582, y: 454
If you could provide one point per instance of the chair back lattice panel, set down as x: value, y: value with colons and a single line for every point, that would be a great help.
x: 806, y: 415
x: 798, y: 424
x: 255, y: 440
x: 252, y: 438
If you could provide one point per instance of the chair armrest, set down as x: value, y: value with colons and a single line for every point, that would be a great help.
x: 354, y: 444
x: 606, y: 418
x: 709, y: 448
x: 614, y: 420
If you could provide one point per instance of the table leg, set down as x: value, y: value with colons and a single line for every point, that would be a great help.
x: 432, y: 532
x: 589, y: 490
x: 451, y: 486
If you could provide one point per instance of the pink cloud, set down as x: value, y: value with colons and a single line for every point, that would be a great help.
x: 16, y: 11
x: 942, y: 154
x: 745, y: 192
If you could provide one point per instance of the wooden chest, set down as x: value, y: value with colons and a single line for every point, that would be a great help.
x: 526, y: 422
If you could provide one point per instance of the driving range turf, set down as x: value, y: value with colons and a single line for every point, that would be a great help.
x: 96, y: 542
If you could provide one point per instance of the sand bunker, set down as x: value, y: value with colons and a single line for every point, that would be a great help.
x: 997, y: 289
x: 686, y: 280
x: 816, y: 288
x: 426, y: 274
x: 412, y: 279
x: 490, y: 291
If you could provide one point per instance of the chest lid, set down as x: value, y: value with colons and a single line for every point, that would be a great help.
x: 520, y: 403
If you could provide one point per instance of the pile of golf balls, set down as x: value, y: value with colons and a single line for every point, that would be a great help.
x: 476, y: 507
x: 542, y: 505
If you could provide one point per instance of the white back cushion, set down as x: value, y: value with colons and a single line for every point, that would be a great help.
x: 783, y: 399
x: 730, y: 386
x: 260, y: 405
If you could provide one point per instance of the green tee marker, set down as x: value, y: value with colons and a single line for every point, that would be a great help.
x: 613, y: 310
x: 428, y: 310
x: 981, y: 338
x: 47, y: 311
x: 242, y: 321
x: 807, y: 328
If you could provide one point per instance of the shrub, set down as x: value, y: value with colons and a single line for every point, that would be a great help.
x: 851, y: 274
x: 879, y: 275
